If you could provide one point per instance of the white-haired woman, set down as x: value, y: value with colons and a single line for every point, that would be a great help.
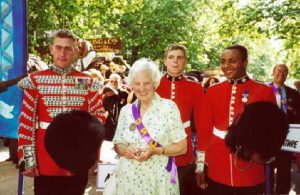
x: 148, y: 135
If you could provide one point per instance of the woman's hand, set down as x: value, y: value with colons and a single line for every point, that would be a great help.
x: 123, y: 150
x: 145, y: 153
x: 139, y: 154
x: 130, y: 153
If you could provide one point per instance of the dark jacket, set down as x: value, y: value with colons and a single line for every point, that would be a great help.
x: 112, y: 104
x: 293, y: 103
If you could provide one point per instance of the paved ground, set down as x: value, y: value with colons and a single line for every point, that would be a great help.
x: 9, y: 178
x: 295, y: 180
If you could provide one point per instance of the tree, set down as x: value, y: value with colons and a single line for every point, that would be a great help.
x: 279, y: 19
x: 205, y: 27
x: 150, y: 29
x: 86, y: 18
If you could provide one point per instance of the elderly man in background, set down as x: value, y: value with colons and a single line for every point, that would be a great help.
x: 288, y: 100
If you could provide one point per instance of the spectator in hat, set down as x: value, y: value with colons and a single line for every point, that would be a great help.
x: 114, y: 99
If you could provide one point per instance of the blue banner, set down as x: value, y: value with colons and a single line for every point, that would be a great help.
x: 13, y: 58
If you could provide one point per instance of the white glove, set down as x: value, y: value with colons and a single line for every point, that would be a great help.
x: 200, y: 161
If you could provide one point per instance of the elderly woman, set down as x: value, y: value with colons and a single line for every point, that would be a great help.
x: 149, y: 134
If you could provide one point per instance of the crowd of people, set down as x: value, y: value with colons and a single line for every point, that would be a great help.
x: 169, y: 130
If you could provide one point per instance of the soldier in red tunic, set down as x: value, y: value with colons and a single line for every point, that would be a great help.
x: 46, y: 94
x: 188, y: 97
x: 222, y: 103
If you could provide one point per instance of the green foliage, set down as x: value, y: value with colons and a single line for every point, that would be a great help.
x: 149, y: 30
x: 205, y: 27
x: 279, y: 19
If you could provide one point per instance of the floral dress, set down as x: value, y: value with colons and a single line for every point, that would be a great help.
x: 163, y: 122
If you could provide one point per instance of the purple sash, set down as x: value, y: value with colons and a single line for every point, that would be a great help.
x: 282, y: 96
x: 171, y: 166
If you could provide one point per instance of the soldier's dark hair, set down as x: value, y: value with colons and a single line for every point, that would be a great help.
x: 64, y: 33
x: 243, y: 51
x: 175, y: 46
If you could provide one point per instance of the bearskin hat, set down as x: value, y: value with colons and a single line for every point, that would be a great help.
x: 73, y: 139
x: 261, y: 129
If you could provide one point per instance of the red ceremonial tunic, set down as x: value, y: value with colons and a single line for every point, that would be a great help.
x: 46, y: 94
x: 222, y: 103
x: 188, y: 97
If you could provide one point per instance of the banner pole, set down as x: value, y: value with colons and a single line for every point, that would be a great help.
x: 20, y: 184
x: 268, y: 181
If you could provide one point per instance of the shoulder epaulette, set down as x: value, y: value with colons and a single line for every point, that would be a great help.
x: 191, y: 79
x: 26, y: 83
x: 96, y: 85
x: 216, y: 84
x: 261, y: 82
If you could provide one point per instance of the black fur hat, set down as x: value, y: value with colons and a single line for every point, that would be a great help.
x: 73, y: 139
x: 261, y: 129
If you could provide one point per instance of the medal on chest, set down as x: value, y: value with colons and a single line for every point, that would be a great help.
x: 132, y: 126
x: 245, y: 96
x: 81, y: 83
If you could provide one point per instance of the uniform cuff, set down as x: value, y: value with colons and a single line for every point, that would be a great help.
x: 200, y: 161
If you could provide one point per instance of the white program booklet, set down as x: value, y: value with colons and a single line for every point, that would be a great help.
x: 107, y: 153
x: 104, y: 171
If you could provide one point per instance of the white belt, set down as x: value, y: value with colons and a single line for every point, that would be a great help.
x: 219, y: 133
x: 43, y: 125
x: 186, y: 124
